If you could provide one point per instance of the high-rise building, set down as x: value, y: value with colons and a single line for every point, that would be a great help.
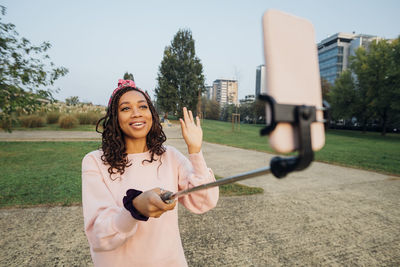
x: 225, y: 91
x: 209, y: 93
x: 260, y: 79
x: 334, y: 53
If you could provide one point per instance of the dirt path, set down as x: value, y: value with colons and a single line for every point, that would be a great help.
x: 326, y: 215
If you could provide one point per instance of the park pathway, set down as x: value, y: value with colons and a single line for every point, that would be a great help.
x: 325, y: 215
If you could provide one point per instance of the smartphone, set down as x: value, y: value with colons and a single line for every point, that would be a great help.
x: 292, y: 75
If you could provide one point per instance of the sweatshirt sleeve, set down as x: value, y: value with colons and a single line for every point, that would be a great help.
x: 107, y: 226
x: 193, y: 172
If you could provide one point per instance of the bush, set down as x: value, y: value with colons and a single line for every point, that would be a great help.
x: 32, y: 121
x: 88, y: 117
x: 53, y: 117
x: 5, y: 124
x: 68, y: 121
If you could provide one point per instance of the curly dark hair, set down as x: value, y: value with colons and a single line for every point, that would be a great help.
x: 113, y: 142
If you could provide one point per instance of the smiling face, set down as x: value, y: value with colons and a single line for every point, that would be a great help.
x: 134, y: 116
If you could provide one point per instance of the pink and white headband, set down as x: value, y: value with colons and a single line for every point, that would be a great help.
x: 123, y: 84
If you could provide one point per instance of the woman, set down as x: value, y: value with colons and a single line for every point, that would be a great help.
x: 126, y: 222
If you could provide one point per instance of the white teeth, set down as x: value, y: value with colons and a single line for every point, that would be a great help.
x: 138, y: 124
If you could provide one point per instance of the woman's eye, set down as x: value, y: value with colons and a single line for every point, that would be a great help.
x: 125, y: 108
x: 143, y: 107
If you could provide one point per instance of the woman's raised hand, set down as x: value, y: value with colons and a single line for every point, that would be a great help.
x: 191, y: 131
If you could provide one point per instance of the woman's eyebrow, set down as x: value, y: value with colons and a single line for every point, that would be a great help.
x: 127, y: 102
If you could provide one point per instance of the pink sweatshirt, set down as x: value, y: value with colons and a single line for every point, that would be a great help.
x: 115, y: 237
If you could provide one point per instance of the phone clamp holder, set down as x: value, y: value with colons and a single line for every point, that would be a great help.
x: 301, y: 117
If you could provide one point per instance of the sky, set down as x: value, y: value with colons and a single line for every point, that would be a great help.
x: 98, y: 41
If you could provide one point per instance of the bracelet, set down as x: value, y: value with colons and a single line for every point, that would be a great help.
x: 128, y: 204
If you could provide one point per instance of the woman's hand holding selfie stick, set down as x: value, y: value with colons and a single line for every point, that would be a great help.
x: 150, y: 204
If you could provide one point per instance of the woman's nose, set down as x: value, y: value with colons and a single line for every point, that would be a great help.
x: 135, y: 112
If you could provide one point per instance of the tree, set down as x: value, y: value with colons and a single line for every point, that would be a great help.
x: 24, y: 70
x: 72, y: 101
x: 362, y: 102
x: 378, y: 88
x: 259, y: 111
x: 246, y: 112
x: 371, y: 92
x: 129, y: 76
x: 226, y: 112
x: 343, y: 97
x: 180, y: 77
x: 326, y: 88
x: 394, y: 80
x: 378, y: 75
x: 383, y: 74
x: 212, y: 110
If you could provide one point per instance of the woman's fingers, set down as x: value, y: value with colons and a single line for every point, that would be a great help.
x: 198, y: 121
x: 157, y: 215
x: 183, y: 125
x: 188, y: 116
x: 185, y: 115
x: 191, y: 116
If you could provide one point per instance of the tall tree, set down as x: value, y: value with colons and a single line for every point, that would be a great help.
x: 384, y: 77
x: 343, y: 97
x: 226, y: 112
x: 378, y: 76
x: 180, y: 77
x: 394, y: 80
x: 326, y: 87
x: 379, y: 89
x: 372, y: 90
x: 24, y: 70
x: 210, y: 108
x: 129, y: 76
x: 362, y: 102
x: 246, y: 111
x: 259, y: 111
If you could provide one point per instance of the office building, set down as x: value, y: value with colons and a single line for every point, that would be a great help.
x: 225, y: 91
x: 260, y: 80
x: 334, y: 53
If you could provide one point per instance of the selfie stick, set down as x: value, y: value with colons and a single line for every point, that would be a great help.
x: 299, y: 115
x: 231, y: 179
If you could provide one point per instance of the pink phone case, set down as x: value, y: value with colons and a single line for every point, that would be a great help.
x: 292, y: 76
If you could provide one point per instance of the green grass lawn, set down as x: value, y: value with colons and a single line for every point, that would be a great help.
x: 41, y: 172
x: 369, y: 151
x: 236, y: 189
x: 49, y: 173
